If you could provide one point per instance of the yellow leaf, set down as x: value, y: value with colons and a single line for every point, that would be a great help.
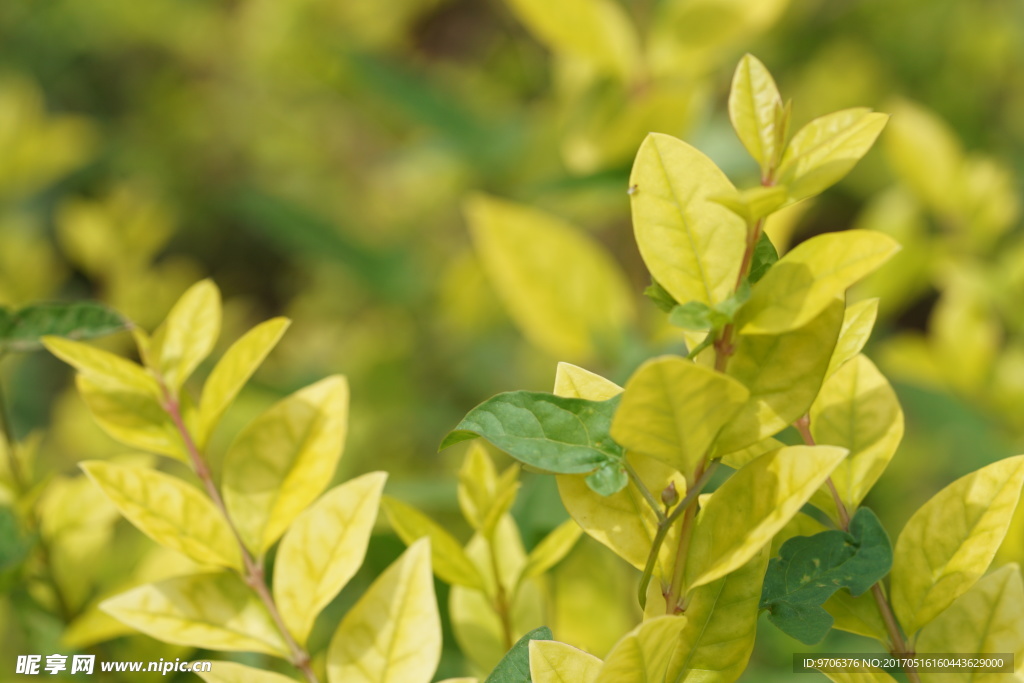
x: 187, y: 335
x: 575, y: 382
x: 644, y: 653
x: 233, y: 370
x: 691, y: 245
x: 393, y: 634
x: 133, y: 417
x: 755, y: 503
x: 806, y: 280
x: 447, y: 556
x: 483, y: 496
x: 233, y: 672
x: 102, y: 367
x: 987, y: 619
x: 858, y: 410
x: 284, y: 459
x: 753, y: 102
x: 554, y: 662
x: 208, y: 611
x: 672, y: 410
x: 856, y: 614
x: 827, y: 148
x: 860, y: 675
x: 858, y: 321
x: 169, y: 511
x: 783, y: 374
x: 563, y: 290
x: 950, y: 541
x: 550, y: 551
x: 323, y: 549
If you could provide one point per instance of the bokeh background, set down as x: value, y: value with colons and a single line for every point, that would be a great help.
x: 314, y: 158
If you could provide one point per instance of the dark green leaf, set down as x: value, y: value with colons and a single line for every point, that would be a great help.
x: 608, y: 479
x: 564, y: 435
x: 764, y: 258
x: 15, y: 545
x: 809, y: 569
x: 693, y: 315
x: 660, y: 296
x: 21, y: 331
x: 514, y: 667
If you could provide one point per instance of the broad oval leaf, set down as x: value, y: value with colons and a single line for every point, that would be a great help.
x: 753, y: 101
x: 24, y: 329
x: 233, y: 370
x: 692, y: 245
x: 757, y: 501
x: 284, y: 459
x: 563, y: 290
x: 554, y: 662
x: 805, y: 281
x: 643, y: 654
x: 950, y: 541
x: 233, y: 672
x: 169, y: 511
x: 448, y: 559
x: 187, y: 335
x: 552, y: 549
x: 208, y: 611
x: 323, y: 549
x: 672, y: 410
x: 515, y: 667
x: 858, y: 321
x: 393, y: 633
x: 564, y: 435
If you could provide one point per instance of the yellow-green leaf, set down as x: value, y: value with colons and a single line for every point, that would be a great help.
x: 783, y: 373
x: 284, y: 459
x: 858, y: 410
x: 208, y: 611
x: 550, y: 551
x: 806, y: 280
x: 233, y: 672
x: 393, y: 634
x: 233, y: 370
x: 950, y: 541
x: 827, y: 148
x: 755, y: 503
x: 323, y: 549
x: 575, y: 382
x: 563, y: 290
x: 858, y: 322
x: 133, y: 417
x: 102, y: 367
x: 738, y: 459
x: 672, y: 410
x: 447, y: 556
x: 856, y: 614
x: 554, y: 662
x: 187, y: 335
x: 721, y: 622
x: 987, y: 619
x: 169, y: 511
x: 484, y: 496
x: 691, y: 245
x: 643, y: 654
x: 753, y: 101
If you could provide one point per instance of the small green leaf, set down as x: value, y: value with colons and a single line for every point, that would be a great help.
x: 24, y: 329
x: 694, y: 315
x: 608, y: 479
x: 660, y: 296
x: 515, y: 665
x: 15, y: 544
x: 810, y: 569
x: 563, y: 435
x: 764, y: 258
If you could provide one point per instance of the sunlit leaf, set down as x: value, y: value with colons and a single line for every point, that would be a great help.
x: 753, y: 101
x: 644, y: 653
x: 554, y: 662
x: 187, y: 335
x: 133, y: 416
x: 575, y: 382
x: 858, y: 322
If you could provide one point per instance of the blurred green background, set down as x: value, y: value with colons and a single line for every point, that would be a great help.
x: 313, y: 157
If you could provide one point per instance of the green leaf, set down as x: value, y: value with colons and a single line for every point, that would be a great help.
x: 828, y: 148
x: 208, y: 611
x: 672, y: 410
x: 692, y: 246
x: 753, y: 101
x: 233, y: 370
x: 554, y: 662
x: 809, y: 569
x: 323, y: 549
x: 169, y: 511
x: 393, y: 633
x: 23, y: 330
x: 564, y: 435
x: 696, y: 316
x: 608, y: 479
x: 807, y: 279
x: 660, y: 296
x: 515, y: 665
x: 765, y: 256
x: 233, y: 672
x: 951, y: 540
x: 643, y: 654
x: 773, y: 488
x: 284, y: 459
x: 187, y: 335
x: 15, y: 545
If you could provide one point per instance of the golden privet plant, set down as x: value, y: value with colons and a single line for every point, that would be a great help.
x: 773, y: 345
x: 271, y: 491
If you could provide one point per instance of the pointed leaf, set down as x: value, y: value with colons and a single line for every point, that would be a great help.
x: 284, y: 459
x: 950, y: 541
x: 575, y: 382
x: 24, y: 329
x: 187, y: 335
x: 554, y: 662
x: 323, y: 549
x: 208, y: 611
x: 753, y: 101
x: 643, y: 654
x: 765, y: 256
x: 858, y: 322
x: 515, y: 665
x: 169, y: 511
x: 233, y: 672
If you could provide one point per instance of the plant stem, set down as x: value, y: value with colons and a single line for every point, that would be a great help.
x: 254, y: 576
x: 644, y: 491
x: 723, y: 345
x: 501, y: 602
